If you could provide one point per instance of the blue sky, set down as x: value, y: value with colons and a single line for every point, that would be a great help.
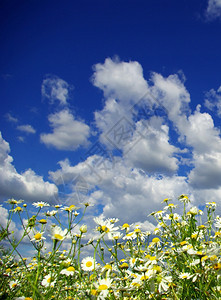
x: 74, y: 74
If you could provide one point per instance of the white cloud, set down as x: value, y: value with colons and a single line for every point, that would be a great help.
x: 196, y: 129
x: 11, y: 118
x: 56, y: 89
x: 173, y: 96
x: 201, y: 133
x: 26, y: 128
x: 4, y: 219
x: 121, y: 80
x: 123, y: 192
x: 124, y: 86
x: 213, y: 101
x: 213, y: 9
x: 207, y: 171
x: 153, y: 153
x: 68, y: 133
x: 27, y: 185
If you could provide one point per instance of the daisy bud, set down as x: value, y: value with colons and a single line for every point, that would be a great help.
x: 83, y: 229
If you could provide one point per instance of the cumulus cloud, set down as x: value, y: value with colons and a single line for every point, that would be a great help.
x: 195, y: 130
x: 126, y: 91
x: 151, y: 150
x: 213, y: 10
x: 205, y: 139
x: 26, y: 128
x: 171, y: 93
x: 207, y: 171
x: 201, y: 133
x: 124, y: 192
x: 121, y: 80
x: 213, y: 101
x: 27, y: 185
x: 67, y: 132
x: 56, y: 89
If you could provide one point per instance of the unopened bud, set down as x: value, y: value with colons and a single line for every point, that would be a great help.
x: 83, y: 229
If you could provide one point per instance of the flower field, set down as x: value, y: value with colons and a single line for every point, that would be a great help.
x: 181, y: 259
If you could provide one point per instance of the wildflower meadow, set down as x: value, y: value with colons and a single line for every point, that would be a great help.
x: 180, y: 259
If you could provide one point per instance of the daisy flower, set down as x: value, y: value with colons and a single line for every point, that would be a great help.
x: 218, y: 223
x: 38, y: 237
x: 40, y: 204
x: 155, y: 242
x: 106, y: 226
x: 165, y: 283
x: 193, y: 211
x: 46, y: 282
x: 184, y: 199
x: 70, y: 208
x: 130, y: 236
x: 103, y: 286
x: 88, y: 264
x: 58, y: 234
x: 13, y: 201
x: 51, y: 213
x: 13, y: 284
x: 69, y: 271
x: 185, y: 275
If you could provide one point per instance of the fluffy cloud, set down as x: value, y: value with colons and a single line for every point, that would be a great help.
x: 126, y: 92
x: 151, y: 150
x: 133, y: 184
x: 214, y: 9
x: 201, y: 133
x: 207, y: 171
x: 173, y: 96
x: 213, y: 100
x: 56, y: 89
x: 121, y: 80
x: 26, y: 128
x: 196, y: 130
x: 123, y: 192
x: 28, y: 185
x: 68, y: 133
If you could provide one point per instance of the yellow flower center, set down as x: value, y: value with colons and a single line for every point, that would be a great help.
x: 38, y: 236
x: 8, y: 270
x: 155, y: 240
x: 105, y: 229
x: 126, y: 225
x: 124, y: 266
x: 103, y: 287
x: 58, y: 237
x: 217, y: 266
x: 72, y: 207
x: 213, y: 257
x: 49, y: 280
x: 71, y: 269
x: 135, y: 284
x: 93, y: 292
x: 130, y: 234
x: 89, y: 264
x: 18, y: 208
x: 43, y: 221
x: 108, y: 267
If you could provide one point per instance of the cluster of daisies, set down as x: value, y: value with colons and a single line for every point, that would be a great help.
x: 179, y: 259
